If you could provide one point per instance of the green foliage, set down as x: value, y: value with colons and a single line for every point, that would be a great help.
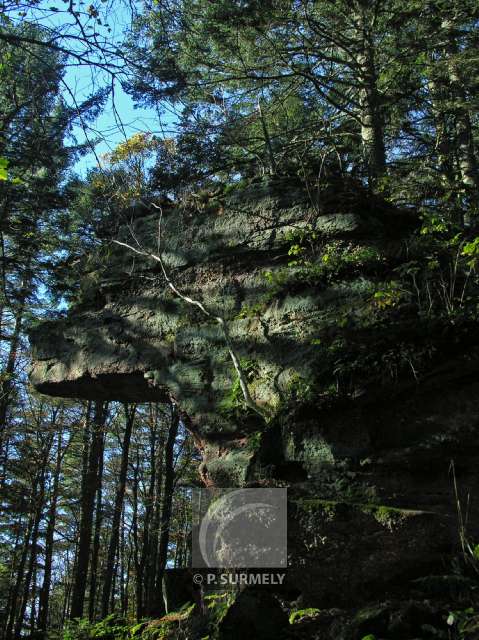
x: 4, y: 174
x: 77, y: 630
x: 113, y: 627
x: 471, y: 251
x: 136, y: 630
x: 232, y: 404
x: 217, y: 607
x: 168, y: 626
x: 388, y: 296
x: 254, y: 441
x: 252, y: 311
x: 464, y: 623
x: 435, y: 223
x: 338, y: 257
x: 300, y: 614
x: 237, y: 185
x: 320, y: 265
x: 442, y: 279
x: 3, y: 168
x: 300, y: 389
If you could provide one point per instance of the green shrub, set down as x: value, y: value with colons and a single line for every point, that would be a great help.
x: 113, y: 627
x: 300, y: 614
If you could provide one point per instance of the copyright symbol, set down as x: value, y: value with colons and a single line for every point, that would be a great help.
x: 197, y: 578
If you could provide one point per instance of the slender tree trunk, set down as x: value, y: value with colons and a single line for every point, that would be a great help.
x: 67, y: 591
x: 127, y: 583
x: 139, y: 590
x: 7, y: 385
x: 86, y: 518
x: 372, y: 128
x: 33, y: 601
x: 115, y: 527
x: 148, y: 507
x: 166, y: 510
x: 443, y: 139
x: 122, y: 561
x: 86, y: 444
x: 267, y: 141
x: 43, y: 606
x: 466, y: 154
x: 96, y: 536
x: 113, y: 584
x: 153, y: 541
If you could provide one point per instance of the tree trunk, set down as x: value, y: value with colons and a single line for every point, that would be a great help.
x: 122, y: 562
x: 466, y: 155
x: 115, y: 527
x: 443, y: 139
x: 86, y: 518
x: 146, y: 547
x: 33, y: 601
x: 52, y: 512
x: 153, y: 540
x: 372, y: 128
x: 139, y: 590
x: 7, y: 385
x: 166, y: 510
x: 126, y: 603
x: 67, y: 591
x: 96, y: 535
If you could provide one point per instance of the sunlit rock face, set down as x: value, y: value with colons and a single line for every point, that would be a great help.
x: 367, y: 403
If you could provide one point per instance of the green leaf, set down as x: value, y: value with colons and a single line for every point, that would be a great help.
x: 299, y: 614
x: 3, y: 168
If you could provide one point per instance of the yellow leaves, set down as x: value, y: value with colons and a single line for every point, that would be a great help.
x: 140, y: 145
x: 124, y: 174
x: 98, y: 181
x: 169, y: 145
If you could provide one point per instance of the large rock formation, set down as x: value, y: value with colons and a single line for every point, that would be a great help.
x: 368, y: 399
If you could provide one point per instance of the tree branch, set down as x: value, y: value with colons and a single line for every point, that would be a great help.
x: 218, y: 319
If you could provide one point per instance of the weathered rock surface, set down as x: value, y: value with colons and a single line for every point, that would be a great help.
x: 368, y: 402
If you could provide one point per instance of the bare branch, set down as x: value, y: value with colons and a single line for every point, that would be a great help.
x: 218, y: 319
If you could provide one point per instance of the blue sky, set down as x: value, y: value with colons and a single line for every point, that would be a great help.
x: 121, y: 118
x: 115, y: 125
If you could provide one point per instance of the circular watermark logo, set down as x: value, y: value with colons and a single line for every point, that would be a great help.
x: 241, y: 528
